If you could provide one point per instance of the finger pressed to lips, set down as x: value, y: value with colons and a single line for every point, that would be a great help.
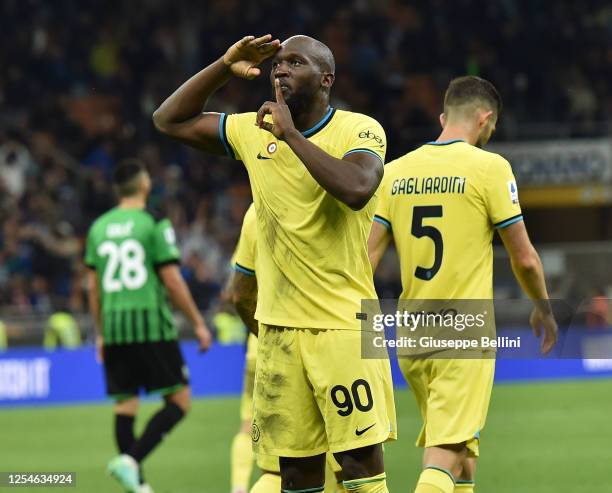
x: 281, y: 85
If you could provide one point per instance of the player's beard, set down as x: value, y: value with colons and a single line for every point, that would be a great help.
x: 299, y: 102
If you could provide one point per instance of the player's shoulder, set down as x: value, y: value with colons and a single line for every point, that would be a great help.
x: 492, y: 165
x: 243, y: 118
x: 248, y: 233
x: 400, y: 163
x: 487, y: 158
x: 250, y: 215
x: 240, y: 127
x: 345, y: 117
x: 476, y: 159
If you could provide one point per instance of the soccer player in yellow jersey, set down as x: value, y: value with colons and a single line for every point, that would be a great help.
x: 442, y: 204
x: 314, y: 171
x: 243, y: 291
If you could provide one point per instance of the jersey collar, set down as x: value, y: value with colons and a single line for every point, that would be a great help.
x: 317, y: 127
x: 444, y: 142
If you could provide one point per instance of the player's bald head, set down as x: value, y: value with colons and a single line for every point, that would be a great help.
x: 465, y: 95
x: 314, y: 49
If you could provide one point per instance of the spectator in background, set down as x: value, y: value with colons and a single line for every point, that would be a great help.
x: 61, y: 330
x: 202, y: 280
x: 40, y: 297
x: 15, y: 165
x: 56, y: 252
x: 598, y: 312
x: 97, y: 196
x: 201, y: 248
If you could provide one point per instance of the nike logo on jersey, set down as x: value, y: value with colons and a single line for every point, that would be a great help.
x: 359, y: 432
x: 259, y: 156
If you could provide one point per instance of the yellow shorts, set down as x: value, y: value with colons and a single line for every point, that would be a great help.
x: 268, y: 463
x: 314, y: 393
x: 453, y: 396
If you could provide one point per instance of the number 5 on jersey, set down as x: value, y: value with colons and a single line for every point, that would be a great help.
x: 419, y: 230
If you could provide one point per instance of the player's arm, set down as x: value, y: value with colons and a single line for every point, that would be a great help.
x: 527, y: 268
x: 243, y: 293
x: 380, y: 237
x: 352, y: 180
x: 180, y: 296
x: 182, y: 115
x: 93, y: 299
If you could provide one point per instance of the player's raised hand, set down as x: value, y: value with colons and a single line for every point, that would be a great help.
x: 243, y: 57
x: 204, y: 337
x: 544, y: 322
x: 281, y: 116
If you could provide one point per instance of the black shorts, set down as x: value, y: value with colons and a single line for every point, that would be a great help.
x: 152, y: 366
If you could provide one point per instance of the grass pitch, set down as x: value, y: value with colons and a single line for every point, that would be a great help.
x: 540, y: 438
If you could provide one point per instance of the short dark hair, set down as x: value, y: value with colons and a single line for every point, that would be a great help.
x: 474, y: 90
x: 125, y: 176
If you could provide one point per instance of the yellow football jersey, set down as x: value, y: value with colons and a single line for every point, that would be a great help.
x: 443, y: 202
x: 312, y: 249
x: 245, y: 254
x: 244, y: 260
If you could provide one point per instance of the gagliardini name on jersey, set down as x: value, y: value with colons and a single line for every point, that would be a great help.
x: 429, y: 185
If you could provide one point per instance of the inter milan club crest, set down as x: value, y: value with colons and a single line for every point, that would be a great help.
x: 255, y: 433
x: 272, y: 146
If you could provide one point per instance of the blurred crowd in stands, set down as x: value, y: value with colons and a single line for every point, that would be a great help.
x: 79, y: 82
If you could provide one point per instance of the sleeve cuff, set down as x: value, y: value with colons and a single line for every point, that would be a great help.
x: 509, y: 221
x: 367, y: 151
x: 171, y: 261
x: 223, y: 135
x: 383, y: 221
x: 243, y: 270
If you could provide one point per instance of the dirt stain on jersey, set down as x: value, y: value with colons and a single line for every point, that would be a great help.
x: 276, y: 244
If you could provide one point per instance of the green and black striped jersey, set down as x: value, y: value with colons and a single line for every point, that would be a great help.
x: 125, y: 247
